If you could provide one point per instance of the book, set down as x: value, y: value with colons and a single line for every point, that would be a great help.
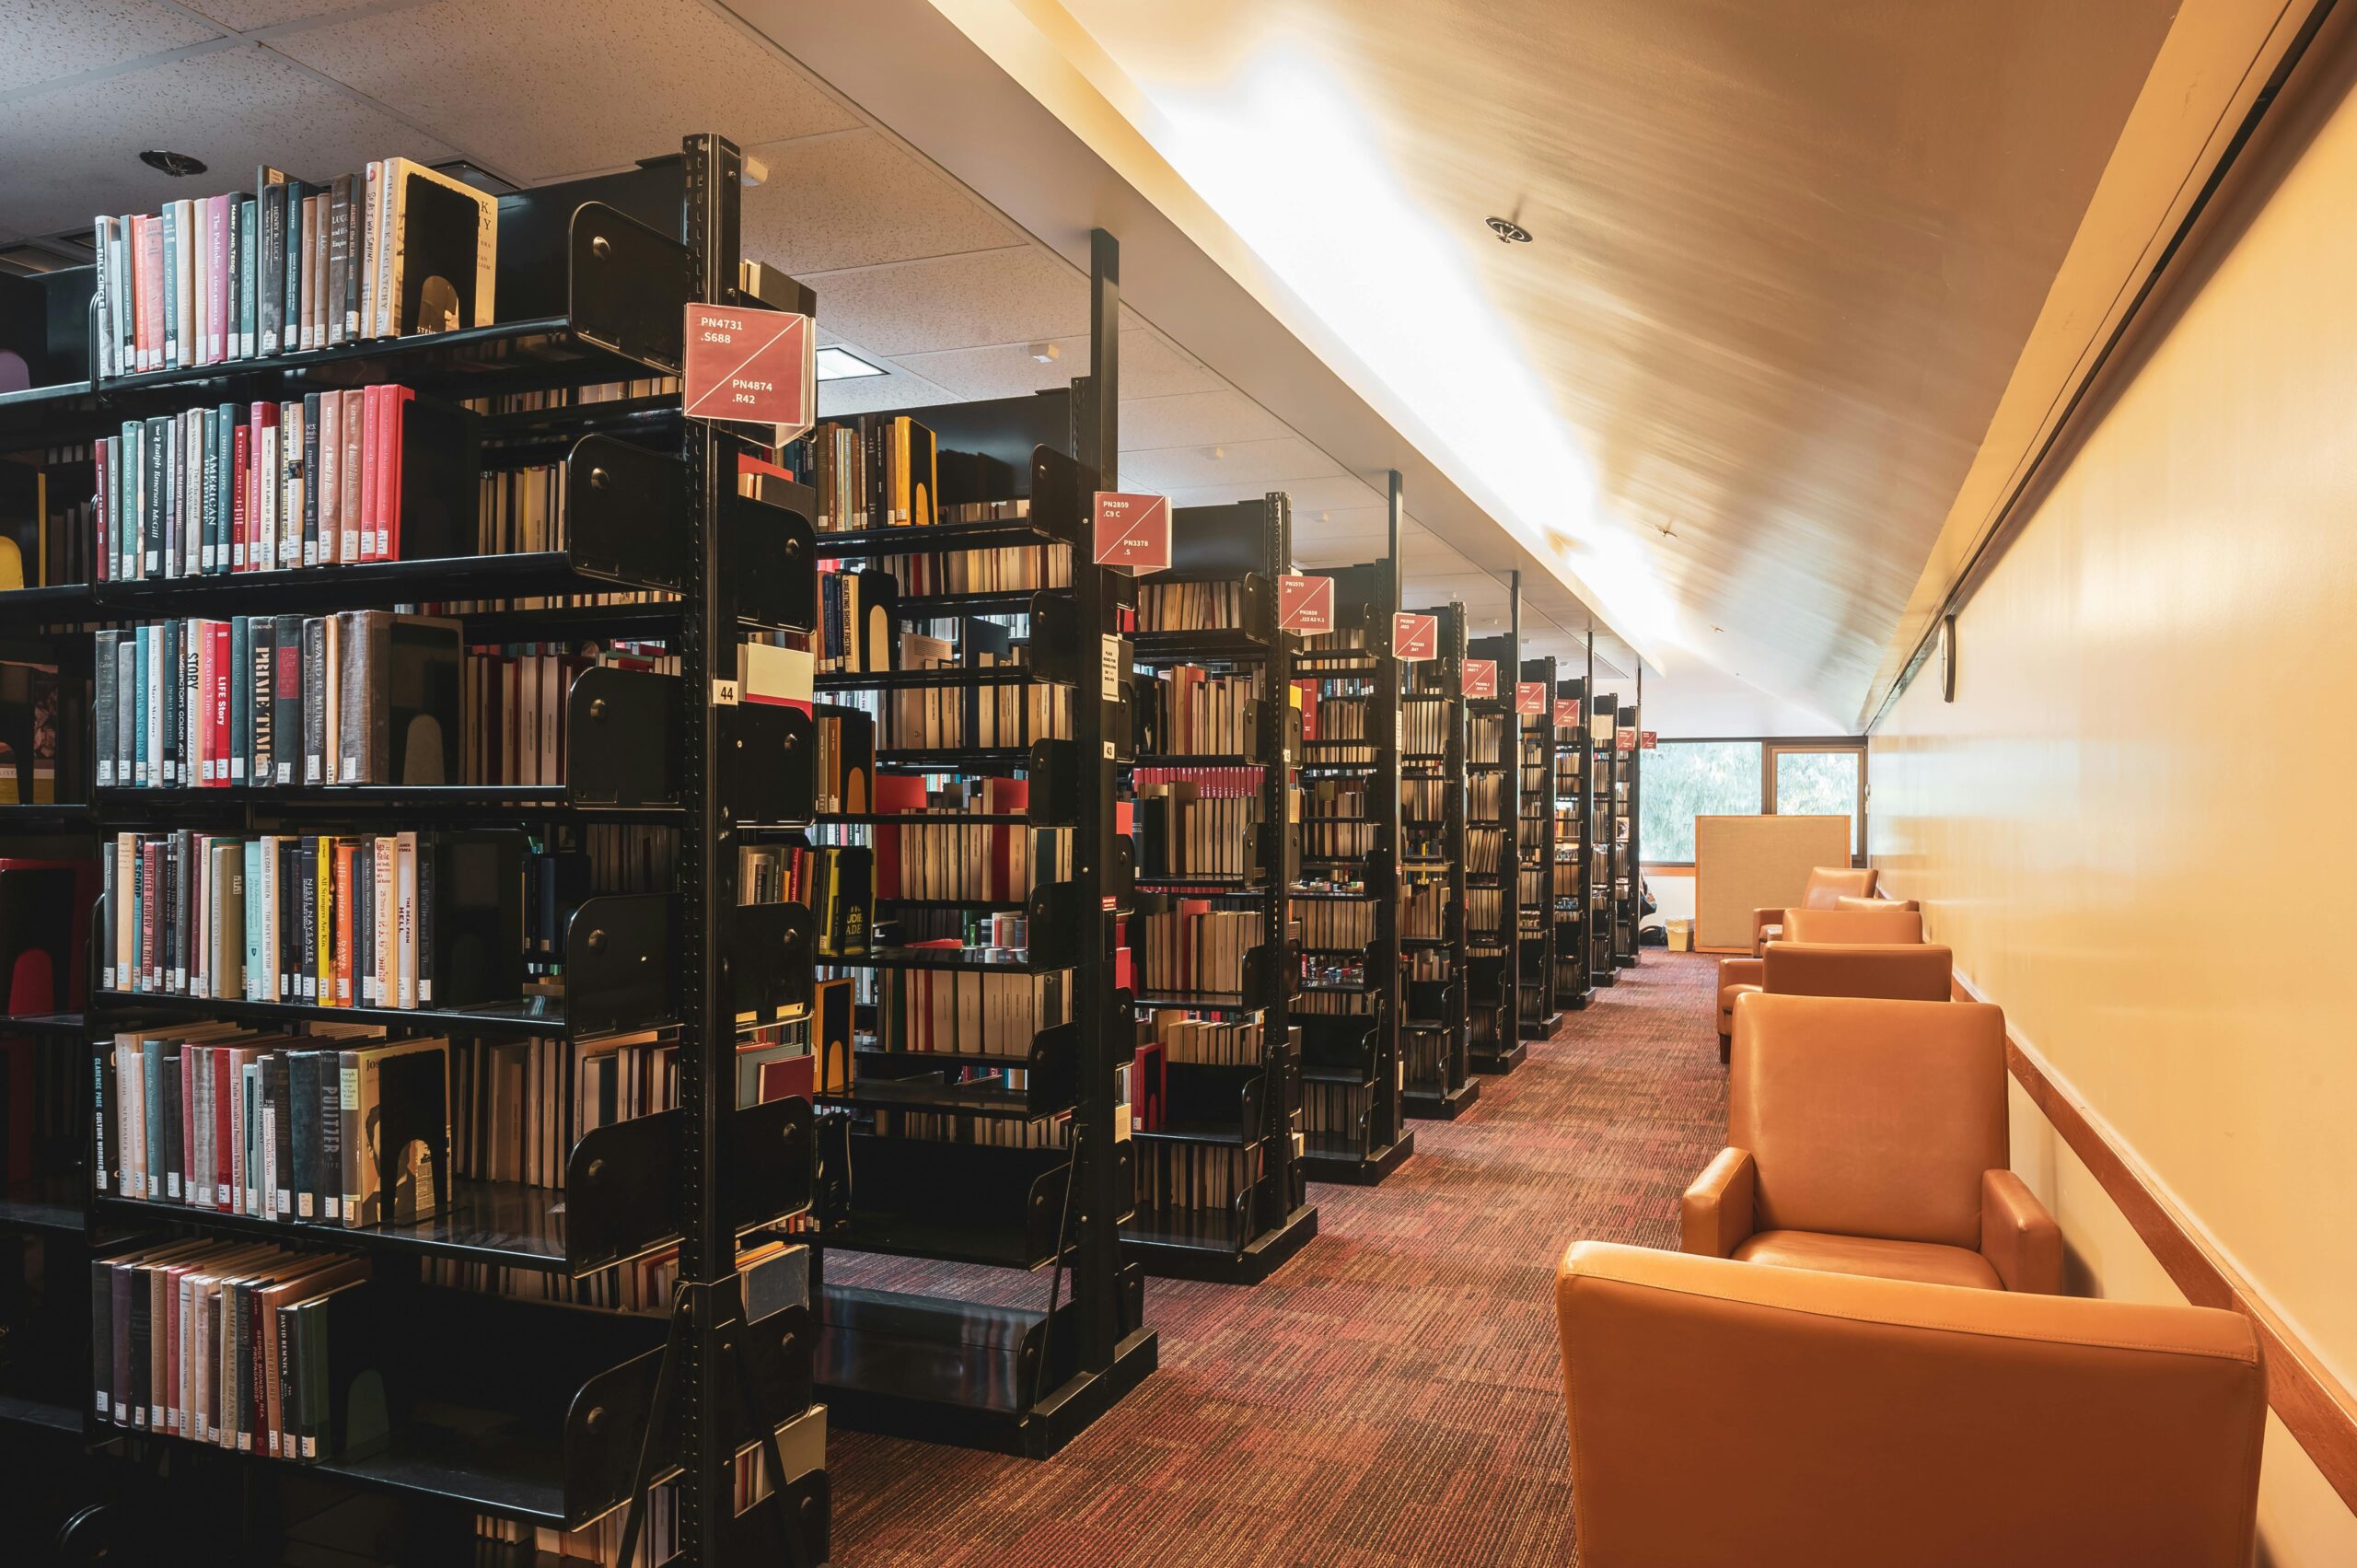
x: 442, y: 239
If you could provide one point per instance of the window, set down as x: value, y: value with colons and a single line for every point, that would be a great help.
x: 1686, y: 779
x: 1822, y: 781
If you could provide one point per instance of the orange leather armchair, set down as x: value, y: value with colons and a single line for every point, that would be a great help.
x: 1772, y: 1418
x: 1825, y: 883
x: 1906, y: 969
x: 1869, y: 1137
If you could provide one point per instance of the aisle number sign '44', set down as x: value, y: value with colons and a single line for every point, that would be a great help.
x: 755, y: 366
x: 1132, y: 532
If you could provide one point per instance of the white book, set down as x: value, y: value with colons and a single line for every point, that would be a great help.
x: 185, y: 211
x: 198, y: 291
x: 384, y: 218
x: 201, y: 1167
x: 405, y: 919
x: 265, y: 495
x: 364, y: 251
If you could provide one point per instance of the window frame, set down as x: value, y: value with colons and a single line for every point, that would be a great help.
x: 1770, y: 746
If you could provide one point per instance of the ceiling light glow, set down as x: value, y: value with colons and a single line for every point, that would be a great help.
x: 842, y: 364
x: 1288, y: 158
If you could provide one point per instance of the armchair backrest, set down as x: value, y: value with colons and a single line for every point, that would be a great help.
x: 1873, y: 903
x: 1899, y: 971
x: 1887, y: 924
x: 1722, y: 1412
x: 1827, y: 883
x: 1868, y: 1117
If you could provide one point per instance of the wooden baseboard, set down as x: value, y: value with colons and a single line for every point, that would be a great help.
x: 2311, y: 1403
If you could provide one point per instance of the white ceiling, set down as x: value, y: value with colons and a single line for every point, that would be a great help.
x: 913, y: 272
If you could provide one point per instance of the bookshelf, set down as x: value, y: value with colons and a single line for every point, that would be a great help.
x: 1534, y: 866
x: 1434, y: 1026
x: 1494, y: 815
x: 1628, y: 878
x: 1347, y: 1002
x: 463, y: 1378
x: 963, y: 1148
x: 1221, y: 1192
x: 1573, y: 913
x: 1602, y: 722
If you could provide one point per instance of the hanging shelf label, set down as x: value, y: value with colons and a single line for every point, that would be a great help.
x: 1480, y: 678
x: 1305, y: 604
x: 1567, y: 712
x: 1132, y: 532
x: 1414, y: 636
x: 752, y: 366
x: 1530, y: 698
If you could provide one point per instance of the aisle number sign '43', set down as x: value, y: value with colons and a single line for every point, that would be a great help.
x: 752, y: 366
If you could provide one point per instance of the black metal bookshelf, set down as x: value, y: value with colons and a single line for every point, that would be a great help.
x: 1242, y: 1116
x: 962, y: 1155
x: 1570, y: 896
x: 1534, y: 866
x: 1436, y: 1022
x: 1493, y: 772
x: 537, y: 1412
x: 1347, y: 1002
x: 1628, y: 879
x: 1601, y: 719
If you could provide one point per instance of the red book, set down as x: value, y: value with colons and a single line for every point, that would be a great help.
x: 147, y: 289
x: 223, y: 672
x: 240, y: 489
x: 372, y: 408
x: 389, y: 520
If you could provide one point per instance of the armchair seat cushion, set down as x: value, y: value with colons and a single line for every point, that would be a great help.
x: 1925, y: 1263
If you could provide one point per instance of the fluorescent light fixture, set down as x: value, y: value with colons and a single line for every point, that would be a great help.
x: 842, y: 364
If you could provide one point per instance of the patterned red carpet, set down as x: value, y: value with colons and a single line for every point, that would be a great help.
x: 1392, y: 1395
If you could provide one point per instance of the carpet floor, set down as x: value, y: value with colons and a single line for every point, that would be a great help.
x: 1392, y: 1395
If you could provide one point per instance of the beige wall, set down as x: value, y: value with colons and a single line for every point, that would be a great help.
x: 2157, y: 711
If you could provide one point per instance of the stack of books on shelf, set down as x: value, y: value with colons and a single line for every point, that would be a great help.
x: 1329, y: 926
x: 1190, y: 828
x: 277, y: 1127
x: 1423, y: 902
x: 968, y: 1012
x: 320, y: 480
x: 516, y: 719
x: 877, y: 471
x: 933, y: 856
x: 1424, y: 729
x: 521, y: 1105
x: 1188, y: 712
x: 948, y: 717
x: 1197, y: 948
x: 358, y: 920
x: 856, y: 635
x: 1009, y: 568
x: 292, y: 267
x: 1185, y: 1038
x: 1189, y: 606
x: 1335, y: 825
x: 227, y: 1344
x: 358, y: 697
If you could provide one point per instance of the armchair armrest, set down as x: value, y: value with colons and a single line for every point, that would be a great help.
x: 1767, y: 924
x: 2018, y: 1237
x: 1740, y: 972
x: 1715, y: 1216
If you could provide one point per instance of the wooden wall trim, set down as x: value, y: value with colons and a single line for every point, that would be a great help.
x: 2311, y: 1403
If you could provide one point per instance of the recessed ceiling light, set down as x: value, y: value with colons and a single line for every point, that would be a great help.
x: 1509, y: 232
x: 842, y: 364
x: 178, y: 164
x: 1046, y: 354
x: 1216, y: 453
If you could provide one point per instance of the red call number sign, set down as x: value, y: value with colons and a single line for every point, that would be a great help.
x: 1625, y: 739
x: 1480, y: 678
x: 1567, y: 712
x: 761, y: 367
x: 1530, y: 698
x: 1306, y: 604
x: 1414, y: 636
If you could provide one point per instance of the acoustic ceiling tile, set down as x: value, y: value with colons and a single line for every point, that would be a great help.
x: 1247, y: 468
x: 71, y: 156
x: 856, y: 199
x: 1150, y: 366
x: 896, y: 389
x: 1016, y: 296
x: 539, y: 88
x: 48, y: 38
x: 245, y: 16
x: 1188, y: 418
